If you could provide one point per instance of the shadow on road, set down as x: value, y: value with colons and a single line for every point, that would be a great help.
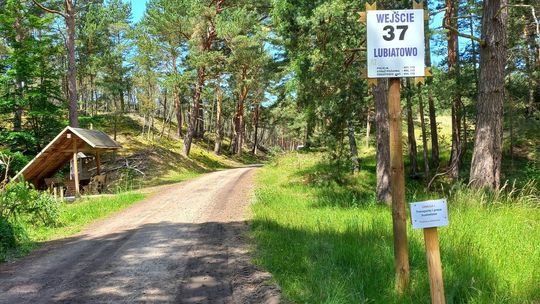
x: 158, y: 263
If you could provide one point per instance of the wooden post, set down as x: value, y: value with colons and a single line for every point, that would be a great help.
x: 399, y: 214
x: 76, y: 167
x: 434, y: 265
x: 98, y: 163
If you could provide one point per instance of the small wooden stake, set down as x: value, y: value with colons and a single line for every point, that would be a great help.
x: 434, y: 265
x: 399, y: 213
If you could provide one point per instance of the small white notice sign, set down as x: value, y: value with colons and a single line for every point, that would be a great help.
x: 429, y: 214
x: 395, y: 43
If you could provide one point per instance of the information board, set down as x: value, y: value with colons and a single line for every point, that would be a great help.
x: 395, y: 43
x: 429, y: 214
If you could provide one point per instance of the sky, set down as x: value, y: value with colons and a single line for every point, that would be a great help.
x: 137, y: 7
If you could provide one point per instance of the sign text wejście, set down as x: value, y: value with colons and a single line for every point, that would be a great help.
x: 395, y: 43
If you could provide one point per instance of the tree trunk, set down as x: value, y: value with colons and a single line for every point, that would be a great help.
x: 188, y: 139
x: 199, y: 130
x: 431, y: 106
x: 413, y: 151
x: 450, y: 21
x: 239, y: 116
x: 219, y: 123
x: 19, y: 36
x: 177, y: 102
x: 487, y: 154
x: 529, y: 65
x: 380, y: 94
x: 354, y: 150
x: 433, y: 130
x: 310, y: 127
x: 474, y: 54
x: 368, y: 127
x: 255, y: 129
x: 424, y: 136
x: 72, y: 65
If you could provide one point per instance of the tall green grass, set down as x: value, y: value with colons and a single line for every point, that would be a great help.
x: 325, y: 240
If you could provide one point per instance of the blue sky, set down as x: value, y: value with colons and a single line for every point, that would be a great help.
x: 137, y: 7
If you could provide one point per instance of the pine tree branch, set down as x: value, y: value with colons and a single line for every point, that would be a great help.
x: 437, y: 11
x: 455, y: 30
x: 48, y: 9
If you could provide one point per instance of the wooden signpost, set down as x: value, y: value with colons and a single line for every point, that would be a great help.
x: 396, y: 49
x: 428, y: 216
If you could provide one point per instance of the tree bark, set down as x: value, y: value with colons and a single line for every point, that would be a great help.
x: 433, y: 130
x: 450, y: 20
x: 529, y: 65
x: 368, y: 127
x: 424, y: 136
x: 354, y: 149
x: 487, y: 154
x: 431, y: 105
x: 72, y: 65
x: 219, y: 123
x: 19, y: 36
x: 411, y: 138
x: 188, y: 139
x: 239, y: 116
x: 177, y: 102
x: 380, y: 94
x: 256, y: 114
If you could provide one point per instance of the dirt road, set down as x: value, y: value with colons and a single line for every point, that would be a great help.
x: 184, y: 244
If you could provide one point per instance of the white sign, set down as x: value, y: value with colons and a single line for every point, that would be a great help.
x: 429, y: 214
x: 395, y: 43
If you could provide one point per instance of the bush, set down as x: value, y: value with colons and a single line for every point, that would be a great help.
x: 20, y: 203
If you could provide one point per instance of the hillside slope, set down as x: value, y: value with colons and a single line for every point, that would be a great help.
x: 155, y: 158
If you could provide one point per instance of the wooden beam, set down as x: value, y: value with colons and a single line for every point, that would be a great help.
x: 399, y: 212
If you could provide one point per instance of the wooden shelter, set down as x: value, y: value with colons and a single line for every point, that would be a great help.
x: 64, y: 148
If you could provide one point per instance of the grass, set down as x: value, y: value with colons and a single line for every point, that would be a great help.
x: 74, y: 218
x: 325, y: 240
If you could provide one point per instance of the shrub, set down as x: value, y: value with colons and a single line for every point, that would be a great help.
x: 20, y: 200
x: 20, y: 203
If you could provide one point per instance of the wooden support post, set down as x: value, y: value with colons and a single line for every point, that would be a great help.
x: 98, y: 163
x: 76, y: 167
x: 399, y: 214
x: 434, y: 265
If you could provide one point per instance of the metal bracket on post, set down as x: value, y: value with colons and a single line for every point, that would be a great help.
x: 422, y: 80
x: 363, y: 19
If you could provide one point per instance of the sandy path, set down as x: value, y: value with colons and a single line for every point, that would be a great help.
x: 184, y: 244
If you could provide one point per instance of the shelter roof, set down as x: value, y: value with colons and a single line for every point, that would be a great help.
x: 60, y: 151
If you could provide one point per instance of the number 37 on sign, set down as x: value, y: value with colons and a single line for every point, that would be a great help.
x: 395, y: 43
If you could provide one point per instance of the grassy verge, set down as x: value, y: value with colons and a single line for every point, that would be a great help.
x: 324, y: 239
x: 73, y: 218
